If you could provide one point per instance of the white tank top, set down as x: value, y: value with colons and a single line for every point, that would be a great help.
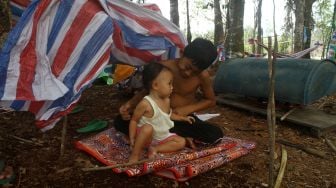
x: 160, y: 121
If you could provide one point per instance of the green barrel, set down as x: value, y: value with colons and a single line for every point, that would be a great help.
x: 297, y: 81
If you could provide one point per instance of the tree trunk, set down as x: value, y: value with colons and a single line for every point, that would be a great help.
x: 324, y: 52
x: 289, y: 25
x: 188, y: 24
x: 299, y: 24
x: 255, y: 3
x: 174, y: 12
x: 219, y: 32
x: 260, y: 31
x: 308, y: 25
x: 234, y: 42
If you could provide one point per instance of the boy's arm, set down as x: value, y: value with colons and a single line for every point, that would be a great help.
x: 126, y: 109
x: 138, y: 113
x: 177, y: 117
x: 208, y: 97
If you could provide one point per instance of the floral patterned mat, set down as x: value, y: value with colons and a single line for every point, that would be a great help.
x: 110, y: 147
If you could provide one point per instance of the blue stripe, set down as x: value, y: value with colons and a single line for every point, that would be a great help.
x: 11, y: 41
x: 89, y: 51
x: 172, y: 53
x: 17, y: 105
x: 16, y: 10
x: 143, y: 42
x: 61, y: 15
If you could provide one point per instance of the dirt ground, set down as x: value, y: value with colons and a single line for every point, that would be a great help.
x: 38, y: 164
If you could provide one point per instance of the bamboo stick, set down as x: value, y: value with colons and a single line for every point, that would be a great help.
x: 26, y: 141
x: 116, y: 166
x: 287, y: 114
x: 282, y: 167
x: 322, y: 104
x: 303, y: 148
x: 332, y: 146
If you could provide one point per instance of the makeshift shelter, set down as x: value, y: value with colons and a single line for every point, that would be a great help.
x: 58, y: 48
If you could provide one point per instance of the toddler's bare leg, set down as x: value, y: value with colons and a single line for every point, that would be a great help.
x: 174, y: 144
x: 144, y: 137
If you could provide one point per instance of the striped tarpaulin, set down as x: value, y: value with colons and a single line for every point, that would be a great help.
x: 17, y: 7
x: 58, y: 47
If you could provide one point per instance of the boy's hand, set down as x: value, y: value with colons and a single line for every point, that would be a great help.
x: 178, y: 117
x: 190, y: 119
x: 124, y: 111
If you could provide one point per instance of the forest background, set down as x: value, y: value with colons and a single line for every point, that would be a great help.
x: 299, y: 24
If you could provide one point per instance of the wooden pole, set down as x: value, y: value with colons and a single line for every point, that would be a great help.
x: 270, y: 118
x: 65, y: 122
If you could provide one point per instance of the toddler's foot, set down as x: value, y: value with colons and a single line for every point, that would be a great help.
x: 152, y: 153
x: 133, y: 159
x: 190, y: 143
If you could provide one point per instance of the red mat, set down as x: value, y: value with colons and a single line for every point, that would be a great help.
x: 110, y: 148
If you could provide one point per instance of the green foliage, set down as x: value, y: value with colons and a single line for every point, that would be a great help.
x: 285, y: 43
x: 323, y: 15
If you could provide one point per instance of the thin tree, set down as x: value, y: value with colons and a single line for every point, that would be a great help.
x: 255, y: 2
x: 308, y: 25
x: 289, y: 24
x: 218, y: 22
x: 188, y: 23
x: 259, y: 28
x: 174, y: 12
x: 299, y: 10
x: 234, y: 42
x: 332, y: 29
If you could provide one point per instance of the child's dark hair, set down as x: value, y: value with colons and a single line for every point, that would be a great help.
x: 150, y: 72
x: 202, y: 52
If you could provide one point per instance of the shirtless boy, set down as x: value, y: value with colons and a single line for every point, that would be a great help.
x: 190, y: 74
